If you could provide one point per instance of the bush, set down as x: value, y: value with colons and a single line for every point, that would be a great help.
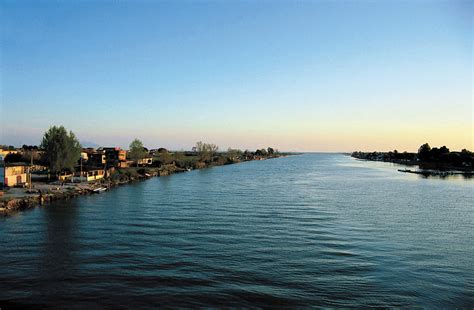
x: 200, y: 165
x: 183, y: 161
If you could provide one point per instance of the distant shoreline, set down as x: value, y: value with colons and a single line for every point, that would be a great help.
x: 425, y: 167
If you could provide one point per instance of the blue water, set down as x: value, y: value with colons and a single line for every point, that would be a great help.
x: 309, y: 230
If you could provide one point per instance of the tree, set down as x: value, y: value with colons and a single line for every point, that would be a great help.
x: 62, y: 149
x: 14, y: 158
x: 424, y: 152
x: 30, y: 153
x: 6, y: 147
x: 233, y: 154
x: 443, y: 150
x: 270, y: 151
x: 165, y: 158
x: 29, y: 147
x: 136, y: 150
x: 205, y: 150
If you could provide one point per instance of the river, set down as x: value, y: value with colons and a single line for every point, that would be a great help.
x: 308, y: 230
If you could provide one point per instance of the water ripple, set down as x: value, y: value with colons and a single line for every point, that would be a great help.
x: 313, y: 230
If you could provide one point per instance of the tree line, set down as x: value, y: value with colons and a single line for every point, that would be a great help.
x: 442, y: 156
x: 426, y: 157
x: 60, y: 151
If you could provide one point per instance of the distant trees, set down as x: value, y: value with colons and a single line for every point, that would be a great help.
x: 7, y: 147
x: 14, y: 158
x: 424, y: 152
x: 233, y: 155
x: 426, y: 158
x: 31, y: 156
x: 182, y: 160
x: 30, y: 153
x: 136, y: 150
x: 29, y: 147
x: 443, y: 158
x: 206, y: 154
x: 165, y: 158
x: 62, y: 149
x: 205, y: 151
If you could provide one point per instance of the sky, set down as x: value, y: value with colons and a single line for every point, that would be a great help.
x: 325, y: 76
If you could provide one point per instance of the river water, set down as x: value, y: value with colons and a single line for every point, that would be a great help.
x: 308, y: 230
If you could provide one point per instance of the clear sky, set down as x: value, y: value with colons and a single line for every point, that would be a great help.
x: 295, y: 75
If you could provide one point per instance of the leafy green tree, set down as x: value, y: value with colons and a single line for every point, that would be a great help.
x: 62, y: 149
x: 136, y: 150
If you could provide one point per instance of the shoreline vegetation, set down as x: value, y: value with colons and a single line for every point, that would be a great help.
x: 61, y: 169
x: 430, y: 161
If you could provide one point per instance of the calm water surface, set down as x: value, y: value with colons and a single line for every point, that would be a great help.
x: 315, y: 229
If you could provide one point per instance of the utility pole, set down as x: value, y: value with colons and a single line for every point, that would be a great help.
x: 31, y: 165
x: 81, y: 171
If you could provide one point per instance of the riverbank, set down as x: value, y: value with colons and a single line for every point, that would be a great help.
x: 456, y: 164
x: 191, y: 235
x: 17, y: 199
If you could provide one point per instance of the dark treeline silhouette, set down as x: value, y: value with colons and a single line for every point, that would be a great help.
x: 30, y: 147
x: 443, y: 158
x: 426, y: 158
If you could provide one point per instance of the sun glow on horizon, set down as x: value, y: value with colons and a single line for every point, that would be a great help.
x: 305, y: 76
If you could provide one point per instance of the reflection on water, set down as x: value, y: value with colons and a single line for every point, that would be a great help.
x: 316, y: 229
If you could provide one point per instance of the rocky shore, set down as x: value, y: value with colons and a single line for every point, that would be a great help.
x: 44, y: 193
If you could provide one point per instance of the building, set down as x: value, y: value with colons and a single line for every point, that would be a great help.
x: 145, y: 161
x: 89, y: 174
x: 114, y: 155
x: 96, y: 159
x: 65, y: 177
x: 84, y: 156
x: 2, y: 173
x: 15, y: 174
x: 85, y: 152
x: 125, y: 164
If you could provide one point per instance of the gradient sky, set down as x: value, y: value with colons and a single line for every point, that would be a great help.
x: 296, y: 75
